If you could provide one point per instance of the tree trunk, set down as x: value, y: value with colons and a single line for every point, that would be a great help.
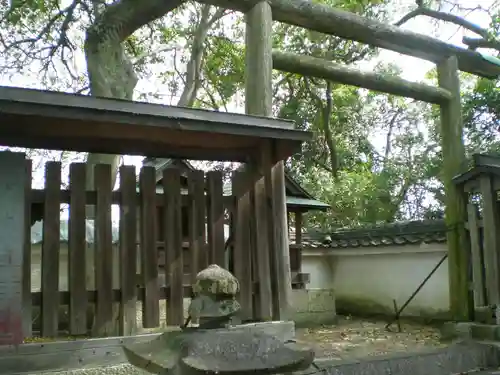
x: 110, y: 71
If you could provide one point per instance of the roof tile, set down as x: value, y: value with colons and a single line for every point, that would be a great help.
x: 396, y: 234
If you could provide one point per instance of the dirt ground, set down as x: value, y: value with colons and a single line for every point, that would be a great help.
x: 354, y: 338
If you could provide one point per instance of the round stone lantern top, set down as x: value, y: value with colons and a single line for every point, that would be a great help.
x: 216, y: 281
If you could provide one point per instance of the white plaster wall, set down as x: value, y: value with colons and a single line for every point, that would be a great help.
x: 373, y: 277
x: 36, y: 269
x: 319, y: 269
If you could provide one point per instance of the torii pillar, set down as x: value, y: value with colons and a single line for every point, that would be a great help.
x: 258, y: 101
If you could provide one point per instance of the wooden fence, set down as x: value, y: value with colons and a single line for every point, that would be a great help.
x: 143, y: 213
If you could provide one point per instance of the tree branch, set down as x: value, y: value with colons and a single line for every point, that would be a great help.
x: 485, y: 40
x: 443, y: 16
x: 475, y: 43
x: 392, y: 122
x: 193, y: 68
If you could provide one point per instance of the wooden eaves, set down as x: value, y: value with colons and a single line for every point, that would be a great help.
x: 52, y: 120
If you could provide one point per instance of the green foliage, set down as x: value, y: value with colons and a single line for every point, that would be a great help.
x: 224, y: 69
x: 374, y: 158
x: 482, y: 116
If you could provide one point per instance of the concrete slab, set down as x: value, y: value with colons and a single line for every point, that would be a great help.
x: 462, y: 358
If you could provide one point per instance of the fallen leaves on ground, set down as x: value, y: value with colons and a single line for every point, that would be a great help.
x: 354, y: 338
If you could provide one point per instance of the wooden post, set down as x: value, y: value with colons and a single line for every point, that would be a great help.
x: 196, y: 185
x: 455, y: 211
x: 242, y: 242
x: 103, y: 252
x: 12, y: 197
x: 258, y: 101
x: 491, y: 224
x: 281, y: 240
x: 174, y: 264
x: 128, y: 251
x: 263, y: 249
x: 50, y: 250
x: 298, y: 228
x: 27, y: 302
x: 298, y: 238
x: 477, y: 257
x: 77, y: 255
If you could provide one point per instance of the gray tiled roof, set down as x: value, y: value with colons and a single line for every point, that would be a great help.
x: 397, y: 234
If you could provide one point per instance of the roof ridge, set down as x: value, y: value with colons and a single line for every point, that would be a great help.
x: 402, y: 233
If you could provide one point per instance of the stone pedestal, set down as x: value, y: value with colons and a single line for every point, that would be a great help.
x: 12, y: 200
x: 244, y: 349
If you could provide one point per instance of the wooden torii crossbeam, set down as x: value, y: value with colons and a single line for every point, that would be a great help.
x: 332, y: 21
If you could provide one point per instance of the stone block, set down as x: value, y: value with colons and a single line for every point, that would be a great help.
x: 314, y: 307
x: 453, y: 330
x: 456, y: 359
x: 321, y: 300
x: 300, y: 300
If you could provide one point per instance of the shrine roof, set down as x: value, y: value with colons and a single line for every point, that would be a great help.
x: 54, y: 120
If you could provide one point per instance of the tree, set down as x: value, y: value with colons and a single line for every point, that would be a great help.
x: 481, y: 97
x: 113, y: 53
x: 123, y: 43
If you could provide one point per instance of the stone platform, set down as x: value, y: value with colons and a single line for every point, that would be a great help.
x: 106, y: 357
x: 470, y: 330
x: 95, y: 356
x: 461, y: 358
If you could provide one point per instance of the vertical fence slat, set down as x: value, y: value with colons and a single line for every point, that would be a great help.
x: 477, y: 257
x: 242, y: 256
x: 103, y: 251
x: 196, y: 182
x: 27, y: 306
x: 173, y: 246
x: 149, y: 253
x: 128, y: 256
x: 77, y: 262
x: 50, y: 250
x: 215, y: 218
